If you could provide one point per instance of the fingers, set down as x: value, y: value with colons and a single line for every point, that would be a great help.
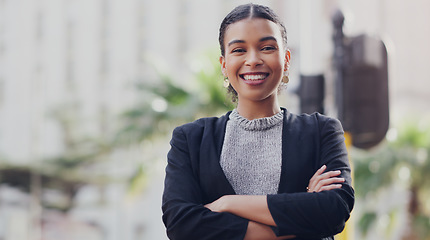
x: 330, y: 187
x: 328, y: 184
x: 314, y: 179
x: 321, y: 170
x: 319, y: 175
x: 321, y: 181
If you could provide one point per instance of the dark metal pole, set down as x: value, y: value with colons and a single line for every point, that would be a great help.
x: 339, y: 57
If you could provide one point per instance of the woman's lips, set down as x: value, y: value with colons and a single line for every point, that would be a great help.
x: 254, y: 78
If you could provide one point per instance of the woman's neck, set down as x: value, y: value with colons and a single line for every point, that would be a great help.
x: 253, y: 110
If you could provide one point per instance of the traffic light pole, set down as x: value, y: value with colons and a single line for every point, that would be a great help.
x: 339, y: 57
x: 339, y: 61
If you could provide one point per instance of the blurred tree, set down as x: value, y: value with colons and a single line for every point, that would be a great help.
x: 163, y: 103
x: 403, y: 160
x: 160, y: 106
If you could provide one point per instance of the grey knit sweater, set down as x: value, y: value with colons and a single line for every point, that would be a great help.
x: 251, y: 155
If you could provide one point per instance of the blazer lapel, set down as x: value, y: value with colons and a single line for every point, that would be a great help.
x: 212, y: 176
x: 290, y: 147
x: 298, y: 154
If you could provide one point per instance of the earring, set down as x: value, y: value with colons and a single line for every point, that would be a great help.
x: 226, y: 82
x: 285, y: 78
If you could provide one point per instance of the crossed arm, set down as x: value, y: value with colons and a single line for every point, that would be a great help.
x: 255, y: 208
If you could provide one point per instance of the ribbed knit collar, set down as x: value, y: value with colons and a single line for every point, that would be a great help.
x: 256, y: 124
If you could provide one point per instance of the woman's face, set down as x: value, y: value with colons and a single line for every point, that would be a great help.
x: 254, y: 59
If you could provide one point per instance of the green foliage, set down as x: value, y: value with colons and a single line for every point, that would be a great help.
x: 163, y: 104
x: 422, y: 223
x: 374, y: 170
x: 413, y: 134
x: 366, y: 221
x: 138, y: 181
x: 209, y: 81
x: 406, y: 160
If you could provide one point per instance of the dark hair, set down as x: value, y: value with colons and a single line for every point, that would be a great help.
x: 241, y: 12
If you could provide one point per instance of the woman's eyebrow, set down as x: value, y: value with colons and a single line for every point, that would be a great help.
x: 268, y: 38
x: 235, y: 41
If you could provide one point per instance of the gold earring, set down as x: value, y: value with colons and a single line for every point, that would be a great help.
x: 285, y: 78
x: 226, y: 82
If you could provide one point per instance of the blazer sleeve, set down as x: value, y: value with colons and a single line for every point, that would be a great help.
x: 184, y: 214
x: 322, y: 214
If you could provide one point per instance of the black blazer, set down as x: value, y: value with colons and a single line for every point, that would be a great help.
x: 194, y: 178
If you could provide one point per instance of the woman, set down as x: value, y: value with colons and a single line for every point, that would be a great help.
x: 258, y: 172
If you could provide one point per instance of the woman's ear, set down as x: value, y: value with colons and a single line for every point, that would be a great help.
x: 222, y: 62
x: 287, y: 60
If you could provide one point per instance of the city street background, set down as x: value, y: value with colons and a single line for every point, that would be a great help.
x: 90, y: 91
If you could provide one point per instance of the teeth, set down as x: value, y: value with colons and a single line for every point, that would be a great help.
x: 254, y: 77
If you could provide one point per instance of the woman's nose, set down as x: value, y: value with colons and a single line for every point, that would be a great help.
x: 253, y: 58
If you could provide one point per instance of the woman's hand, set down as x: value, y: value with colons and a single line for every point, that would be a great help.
x: 323, y: 181
x: 218, y: 205
x: 251, y: 207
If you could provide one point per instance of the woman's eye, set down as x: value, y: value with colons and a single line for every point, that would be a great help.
x: 238, y: 50
x: 268, y: 48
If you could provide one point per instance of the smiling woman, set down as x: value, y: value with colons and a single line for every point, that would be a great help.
x: 254, y: 61
x: 259, y: 171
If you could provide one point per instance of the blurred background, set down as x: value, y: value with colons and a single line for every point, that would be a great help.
x: 90, y: 91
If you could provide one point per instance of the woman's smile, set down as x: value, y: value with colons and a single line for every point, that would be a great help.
x: 254, y: 78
